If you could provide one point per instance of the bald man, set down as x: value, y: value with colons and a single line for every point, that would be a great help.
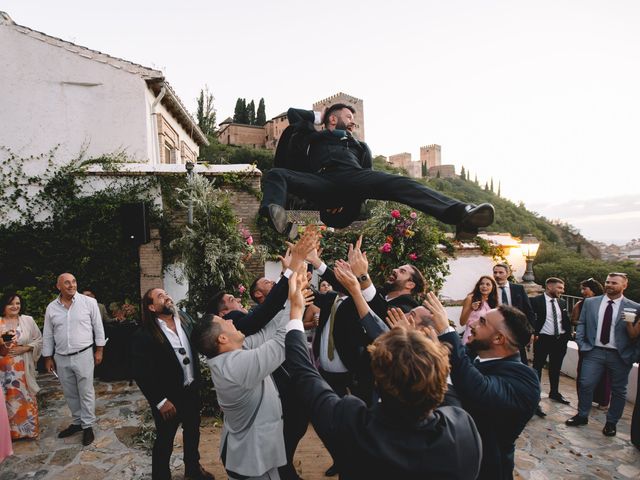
x: 72, y: 324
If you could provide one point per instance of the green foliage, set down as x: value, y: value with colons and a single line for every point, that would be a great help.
x: 212, y: 251
x: 240, y: 113
x: 463, y: 174
x: 218, y: 153
x: 251, y: 113
x: 559, y: 261
x: 59, y: 228
x: 35, y: 302
x: 261, y: 116
x: 206, y: 113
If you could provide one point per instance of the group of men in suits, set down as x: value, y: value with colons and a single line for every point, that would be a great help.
x: 270, y: 388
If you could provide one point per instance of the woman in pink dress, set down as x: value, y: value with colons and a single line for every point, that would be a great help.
x: 483, y: 298
x: 5, y: 432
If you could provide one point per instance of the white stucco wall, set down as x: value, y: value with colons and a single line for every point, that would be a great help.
x: 43, y: 109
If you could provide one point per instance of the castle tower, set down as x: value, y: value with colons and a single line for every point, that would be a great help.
x: 356, y: 103
x: 430, y: 156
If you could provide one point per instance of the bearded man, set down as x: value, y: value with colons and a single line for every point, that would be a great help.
x: 166, y: 368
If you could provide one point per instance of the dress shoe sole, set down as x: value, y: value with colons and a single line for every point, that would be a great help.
x: 278, y: 216
x: 483, y: 216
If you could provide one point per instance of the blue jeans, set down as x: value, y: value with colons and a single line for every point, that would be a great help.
x: 594, y: 364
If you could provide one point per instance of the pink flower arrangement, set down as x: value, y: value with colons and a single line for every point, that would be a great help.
x: 413, y: 256
x: 395, y: 213
x: 241, y: 289
x: 249, y: 240
x: 413, y: 215
x: 386, y: 248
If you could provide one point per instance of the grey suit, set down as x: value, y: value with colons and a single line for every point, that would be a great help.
x: 252, y: 443
x: 617, y: 361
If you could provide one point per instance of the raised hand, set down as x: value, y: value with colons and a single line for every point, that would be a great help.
x: 440, y: 318
x: 343, y: 273
x: 397, y: 318
x: 357, y: 259
x: 286, y: 259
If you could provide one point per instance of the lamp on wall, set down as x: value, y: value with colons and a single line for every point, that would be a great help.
x: 189, y: 166
x: 529, y: 246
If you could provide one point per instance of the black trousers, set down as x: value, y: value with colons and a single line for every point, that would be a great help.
x: 635, y: 419
x: 555, y: 348
x: 188, y: 414
x: 345, y: 185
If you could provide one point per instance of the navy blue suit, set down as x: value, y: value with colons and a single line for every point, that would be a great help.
x: 501, y: 396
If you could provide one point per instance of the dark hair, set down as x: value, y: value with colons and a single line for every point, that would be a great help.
x: 418, y: 279
x: 410, y: 371
x: 516, y: 323
x: 503, y: 265
x: 253, y: 288
x: 594, y: 285
x: 149, y: 317
x: 334, y: 108
x: 553, y: 280
x: 205, y: 336
x: 7, y: 298
x: 214, y: 305
x: 476, y: 296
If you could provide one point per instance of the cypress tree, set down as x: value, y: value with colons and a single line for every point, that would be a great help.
x: 251, y: 113
x: 261, y: 115
x: 463, y: 174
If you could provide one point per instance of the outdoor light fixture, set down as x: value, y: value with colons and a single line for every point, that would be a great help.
x: 189, y: 166
x: 529, y: 246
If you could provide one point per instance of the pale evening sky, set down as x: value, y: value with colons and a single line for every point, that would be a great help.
x: 542, y: 96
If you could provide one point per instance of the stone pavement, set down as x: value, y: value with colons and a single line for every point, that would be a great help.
x: 547, y: 449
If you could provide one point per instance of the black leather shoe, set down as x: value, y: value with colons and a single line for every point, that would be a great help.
x: 557, y: 397
x: 576, y: 421
x: 332, y: 471
x: 87, y: 436
x: 539, y: 412
x: 198, y: 474
x: 609, y: 429
x: 70, y: 430
x: 278, y: 217
x: 475, y: 216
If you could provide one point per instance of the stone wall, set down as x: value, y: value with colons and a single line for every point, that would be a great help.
x: 150, y: 255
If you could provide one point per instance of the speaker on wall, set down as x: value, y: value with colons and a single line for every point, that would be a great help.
x: 135, y: 222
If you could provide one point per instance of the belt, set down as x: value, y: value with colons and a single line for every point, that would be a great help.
x: 75, y: 353
x: 607, y: 348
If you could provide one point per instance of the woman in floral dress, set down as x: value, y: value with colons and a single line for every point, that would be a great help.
x: 17, y: 367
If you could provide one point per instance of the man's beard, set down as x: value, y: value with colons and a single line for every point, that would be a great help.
x: 168, y: 310
x: 392, y: 286
x: 478, y: 345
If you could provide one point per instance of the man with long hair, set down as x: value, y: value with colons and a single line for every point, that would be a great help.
x: 166, y: 368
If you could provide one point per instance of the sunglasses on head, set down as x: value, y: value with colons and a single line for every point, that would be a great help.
x: 618, y: 274
x: 185, y: 360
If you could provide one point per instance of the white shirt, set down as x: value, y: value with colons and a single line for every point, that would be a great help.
x: 616, y: 308
x: 547, y: 328
x: 507, y: 291
x: 335, y: 365
x: 69, y: 330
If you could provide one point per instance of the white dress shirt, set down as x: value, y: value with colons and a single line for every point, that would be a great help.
x: 69, y: 330
x: 547, y: 328
x: 335, y: 365
x: 616, y: 308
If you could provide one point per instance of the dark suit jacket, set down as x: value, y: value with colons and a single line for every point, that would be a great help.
x: 539, y: 306
x: 501, y: 396
x: 156, y: 369
x: 255, y: 319
x: 520, y: 300
x: 378, y: 443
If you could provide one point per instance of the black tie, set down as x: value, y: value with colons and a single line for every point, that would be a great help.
x: 505, y: 299
x: 605, y: 333
x: 556, y: 330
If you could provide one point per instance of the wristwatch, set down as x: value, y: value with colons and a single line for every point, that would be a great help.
x: 363, y: 278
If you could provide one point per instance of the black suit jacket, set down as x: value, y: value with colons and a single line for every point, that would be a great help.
x: 156, y: 369
x: 378, y: 443
x: 539, y: 306
x: 501, y: 396
x: 520, y: 300
x: 255, y: 319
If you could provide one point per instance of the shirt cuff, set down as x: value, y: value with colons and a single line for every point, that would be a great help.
x: 321, y: 269
x: 294, y: 324
x: 161, y: 403
x: 317, y: 118
x: 369, y: 292
x: 448, y: 330
x: 287, y: 273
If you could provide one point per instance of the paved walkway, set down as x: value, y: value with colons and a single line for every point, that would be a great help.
x: 547, y: 449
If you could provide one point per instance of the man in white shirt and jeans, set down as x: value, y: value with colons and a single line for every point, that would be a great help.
x: 72, y: 325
